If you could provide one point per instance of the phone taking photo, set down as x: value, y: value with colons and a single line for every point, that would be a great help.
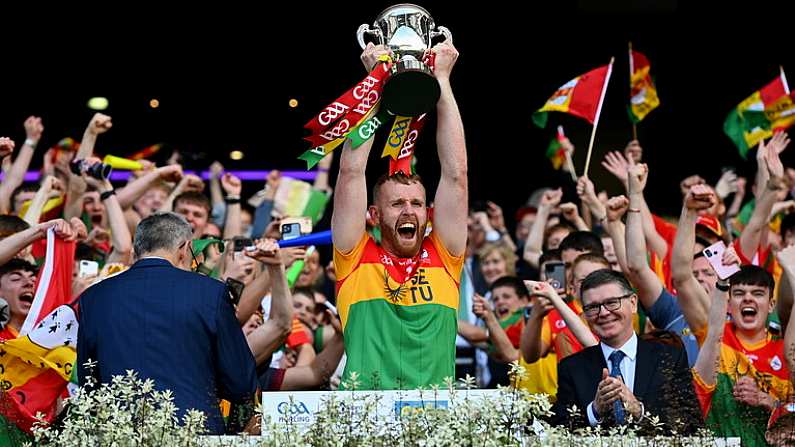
x: 290, y: 230
x: 555, y: 272
x: 88, y: 269
x: 235, y: 290
x: 714, y: 255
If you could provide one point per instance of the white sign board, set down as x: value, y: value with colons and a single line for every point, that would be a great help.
x: 299, y: 407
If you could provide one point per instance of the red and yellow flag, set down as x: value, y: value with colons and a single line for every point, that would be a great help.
x: 579, y: 97
x: 643, y: 95
x: 36, y: 365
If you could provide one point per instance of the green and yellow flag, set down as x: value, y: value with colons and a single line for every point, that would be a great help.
x: 767, y: 110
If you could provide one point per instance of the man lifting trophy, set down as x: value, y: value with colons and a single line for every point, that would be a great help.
x: 398, y: 299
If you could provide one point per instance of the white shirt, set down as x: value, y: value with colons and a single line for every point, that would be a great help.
x: 627, y: 367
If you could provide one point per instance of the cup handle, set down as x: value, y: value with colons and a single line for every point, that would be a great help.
x: 365, y: 29
x: 442, y: 31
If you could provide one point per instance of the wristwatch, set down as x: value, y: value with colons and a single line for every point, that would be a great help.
x: 722, y: 285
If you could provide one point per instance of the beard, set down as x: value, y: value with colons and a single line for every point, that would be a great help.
x: 402, y: 245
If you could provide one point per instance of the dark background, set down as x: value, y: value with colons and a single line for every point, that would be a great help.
x: 224, y: 74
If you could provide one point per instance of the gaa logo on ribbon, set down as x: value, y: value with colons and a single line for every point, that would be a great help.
x: 408, y: 145
x: 368, y: 128
x: 337, y: 131
x: 365, y: 86
x: 368, y: 102
x: 398, y: 131
x: 332, y: 112
x: 293, y: 409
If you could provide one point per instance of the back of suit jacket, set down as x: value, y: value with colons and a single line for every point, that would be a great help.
x: 172, y: 326
x: 663, y: 383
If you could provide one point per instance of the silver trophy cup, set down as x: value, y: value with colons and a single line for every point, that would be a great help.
x: 407, y: 30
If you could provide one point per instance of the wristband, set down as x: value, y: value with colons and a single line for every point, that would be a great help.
x: 232, y: 200
x: 722, y: 285
x: 31, y: 142
x: 633, y: 210
x: 105, y: 195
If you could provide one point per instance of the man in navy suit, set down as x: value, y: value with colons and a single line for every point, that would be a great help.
x: 168, y: 324
x: 623, y: 378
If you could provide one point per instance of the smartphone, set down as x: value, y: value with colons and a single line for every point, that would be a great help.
x: 88, y: 268
x: 555, y: 272
x: 241, y: 243
x: 305, y: 223
x: 235, y: 290
x: 291, y: 230
x: 714, y: 253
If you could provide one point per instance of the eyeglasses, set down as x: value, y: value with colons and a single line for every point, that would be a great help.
x: 611, y: 304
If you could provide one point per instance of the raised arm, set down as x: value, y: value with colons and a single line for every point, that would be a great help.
x: 262, y: 215
x: 617, y: 164
x: 350, y: 199
x: 535, y: 240
x: 706, y: 366
x: 450, y: 203
x: 348, y: 221
x: 503, y: 349
x: 693, y: 299
x: 571, y: 213
x: 497, y: 223
x: 643, y: 277
x: 532, y: 344
x: 16, y: 173
x: 587, y: 194
x: 216, y: 195
x: 133, y: 191
x: 189, y: 182
x: 50, y: 188
x: 232, y: 188
x: 271, y: 334
x: 98, y: 125
x: 573, y: 321
x: 121, y: 239
x: 616, y: 208
x: 754, y: 233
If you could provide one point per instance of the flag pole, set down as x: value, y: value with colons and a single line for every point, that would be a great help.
x: 632, y: 70
x: 784, y: 79
x: 569, y: 161
x: 596, y: 118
